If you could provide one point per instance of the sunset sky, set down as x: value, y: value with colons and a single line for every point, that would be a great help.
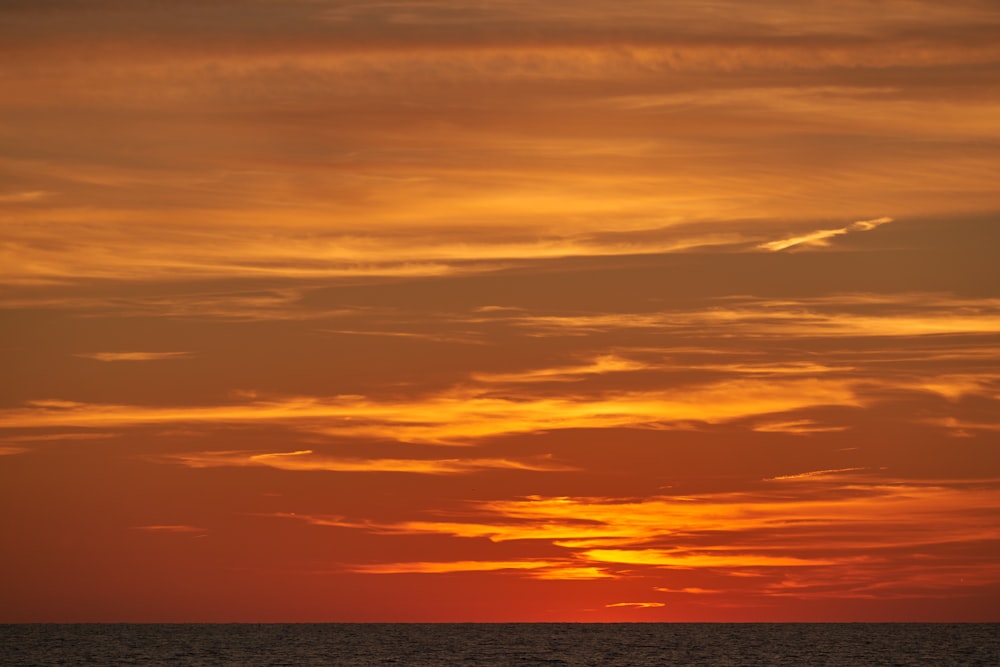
x: 506, y: 310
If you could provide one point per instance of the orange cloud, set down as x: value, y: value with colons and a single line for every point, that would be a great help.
x: 117, y: 250
x: 428, y: 178
x: 904, y: 579
x: 306, y: 460
x: 956, y: 386
x: 661, y: 558
x: 872, y: 505
x: 825, y: 317
x: 798, y: 426
x: 690, y: 590
x: 50, y: 437
x: 962, y: 425
x: 170, y: 528
x: 846, y: 524
x: 452, y: 566
x: 462, y: 415
x: 543, y: 569
x: 135, y: 356
x: 21, y: 197
x: 571, y: 572
x: 814, y: 473
x: 609, y: 363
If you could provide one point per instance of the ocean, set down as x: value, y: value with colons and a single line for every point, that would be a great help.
x: 412, y: 645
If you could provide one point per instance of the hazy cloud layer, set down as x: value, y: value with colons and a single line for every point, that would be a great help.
x: 332, y: 140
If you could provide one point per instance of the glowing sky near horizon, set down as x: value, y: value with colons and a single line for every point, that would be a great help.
x: 426, y: 310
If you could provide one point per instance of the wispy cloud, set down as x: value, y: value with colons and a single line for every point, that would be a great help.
x: 831, y: 316
x: 155, y: 252
x: 55, y: 437
x: 814, y: 473
x: 847, y: 521
x: 425, y: 170
x: 798, y: 426
x: 822, y: 237
x: 962, y: 426
x: 135, y: 356
x: 544, y: 569
x: 307, y: 460
x: 930, y: 579
x: 170, y: 528
x: 22, y: 197
x: 689, y: 590
x: 609, y: 363
x: 246, y: 305
x: 463, y: 338
x: 668, y: 558
x: 462, y: 415
x: 453, y: 566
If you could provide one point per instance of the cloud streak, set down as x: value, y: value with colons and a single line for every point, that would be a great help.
x: 842, y: 523
x: 170, y: 529
x: 344, y: 142
x: 309, y: 461
x: 462, y: 416
x: 822, y: 237
x: 135, y: 356
x: 788, y: 318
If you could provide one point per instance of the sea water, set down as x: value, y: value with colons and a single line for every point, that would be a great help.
x: 413, y: 645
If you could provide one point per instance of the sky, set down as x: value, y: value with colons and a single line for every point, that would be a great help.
x: 431, y: 310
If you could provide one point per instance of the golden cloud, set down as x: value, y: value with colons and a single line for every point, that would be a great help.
x: 169, y: 528
x: 836, y: 525
x: 135, y: 356
x: 765, y: 318
x: 306, y: 460
x: 463, y: 415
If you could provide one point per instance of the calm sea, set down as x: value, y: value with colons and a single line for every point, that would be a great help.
x: 410, y: 645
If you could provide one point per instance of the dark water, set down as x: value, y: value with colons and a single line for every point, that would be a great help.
x: 410, y: 645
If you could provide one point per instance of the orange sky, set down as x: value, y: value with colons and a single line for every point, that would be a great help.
x: 426, y: 310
